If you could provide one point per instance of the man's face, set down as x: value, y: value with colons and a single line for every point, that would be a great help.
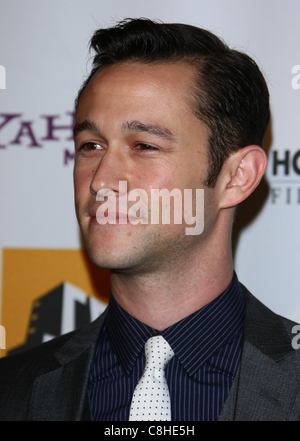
x: 134, y: 123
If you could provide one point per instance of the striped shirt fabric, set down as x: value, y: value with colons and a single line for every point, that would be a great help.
x: 207, y: 347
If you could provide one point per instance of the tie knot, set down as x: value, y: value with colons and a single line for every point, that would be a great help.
x: 158, y: 352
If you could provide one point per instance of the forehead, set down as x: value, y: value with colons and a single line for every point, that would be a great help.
x: 141, y: 82
x: 155, y: 95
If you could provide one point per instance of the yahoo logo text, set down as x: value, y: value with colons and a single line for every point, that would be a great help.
x: 115, y: 210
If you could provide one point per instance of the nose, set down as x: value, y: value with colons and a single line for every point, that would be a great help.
x: 112, y: 168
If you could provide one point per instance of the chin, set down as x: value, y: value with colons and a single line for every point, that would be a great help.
x: 109, y: 259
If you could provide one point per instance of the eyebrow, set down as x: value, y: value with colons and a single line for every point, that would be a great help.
x: 129, y: 126
x: 153, y: 129
x: 85, y: 126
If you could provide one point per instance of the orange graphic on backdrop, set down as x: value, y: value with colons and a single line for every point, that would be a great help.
x: 29, y: 273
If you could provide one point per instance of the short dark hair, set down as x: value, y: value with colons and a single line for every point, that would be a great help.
x: 231, y: 94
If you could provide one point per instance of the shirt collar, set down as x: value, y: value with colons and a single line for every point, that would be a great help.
x: 195, y: 339
x: 126, y: 334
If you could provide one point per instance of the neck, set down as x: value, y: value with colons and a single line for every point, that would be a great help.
x: 164, y: 297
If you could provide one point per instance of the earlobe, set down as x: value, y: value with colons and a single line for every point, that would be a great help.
x: 241, y: 174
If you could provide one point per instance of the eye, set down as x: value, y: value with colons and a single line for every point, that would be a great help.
x: 91, y: 146
x: 146, y: 147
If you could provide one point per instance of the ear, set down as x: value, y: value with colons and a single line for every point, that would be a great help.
x: 240, y: 175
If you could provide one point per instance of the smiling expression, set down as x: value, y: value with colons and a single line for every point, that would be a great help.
x: 134, y: 123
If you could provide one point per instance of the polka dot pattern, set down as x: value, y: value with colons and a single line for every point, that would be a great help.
x: 151, y: 398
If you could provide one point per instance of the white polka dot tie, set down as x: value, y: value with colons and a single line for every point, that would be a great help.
x: 151, y: 398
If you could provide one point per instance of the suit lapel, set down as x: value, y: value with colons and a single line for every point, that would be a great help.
x: 266, y: 389
x: 265, y: 386
x: 65, y: 390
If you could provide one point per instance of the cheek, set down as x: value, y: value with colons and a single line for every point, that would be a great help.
x: 82, y: 180
x: 159, y: 179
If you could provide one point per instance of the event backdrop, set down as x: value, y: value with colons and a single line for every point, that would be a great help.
x: 48, y: 285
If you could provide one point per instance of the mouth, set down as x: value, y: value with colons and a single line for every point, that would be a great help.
x: 114, y: 218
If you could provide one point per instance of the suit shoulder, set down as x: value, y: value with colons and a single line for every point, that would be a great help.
x: 37, y: 356
x: 18, y: 372
x: 50, y: 355
x: 269, y: 332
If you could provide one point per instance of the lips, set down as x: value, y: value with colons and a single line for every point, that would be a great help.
x: 113, y: 218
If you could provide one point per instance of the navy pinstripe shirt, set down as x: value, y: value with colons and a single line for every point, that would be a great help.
x: 207, y: 347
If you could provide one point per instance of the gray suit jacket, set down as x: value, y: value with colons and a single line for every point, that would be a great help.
x: 49, y: 383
